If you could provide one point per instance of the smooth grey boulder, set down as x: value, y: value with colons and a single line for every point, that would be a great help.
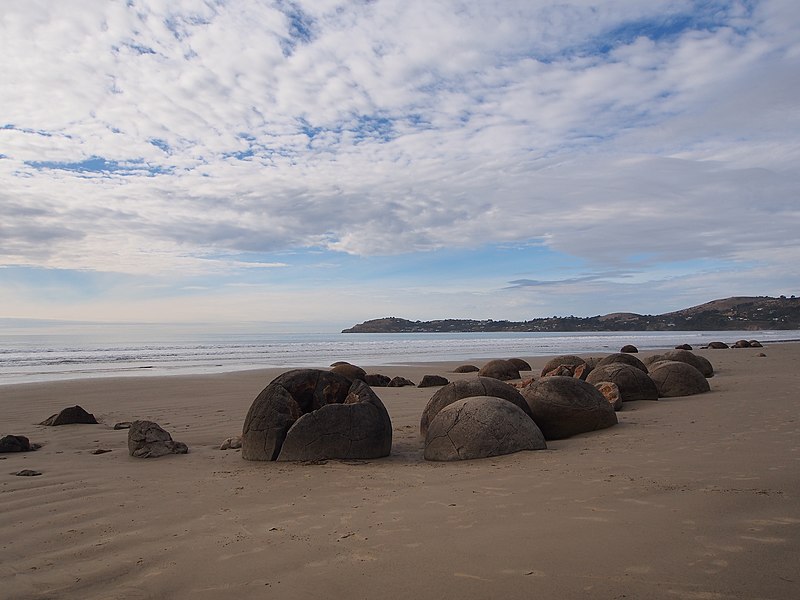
x: 147, y: 439
x: 499, y: 369
x: 701, y: 363
x: 69, y: 416
x: 480, y: 427
x: 310, y: 414
x: 477, y: 386
x: 568, y: 360
x: 622, y: 357
x: 565, y: 406
x: 674, y: 378
x: 633, y: 383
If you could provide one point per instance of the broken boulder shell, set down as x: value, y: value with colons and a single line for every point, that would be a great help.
x: 568, y: 360
x: 310, y: 414
x: 480, y: 427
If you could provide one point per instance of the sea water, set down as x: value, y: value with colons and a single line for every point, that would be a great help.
x: 45, y: 357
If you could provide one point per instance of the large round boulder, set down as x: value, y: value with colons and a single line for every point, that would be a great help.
x: 630, y: 348
x: 701, y: 363
x: 568, y: 360
x: 499, y: 369
x: 566, y: 406
x: 310, y: 414
x: 674, y: 378
x: 351, y: 372
x: 480, y: 427
x: 633, y: 383
x: 464, y: 388
x: 622, y: 357
x: 521, y: 364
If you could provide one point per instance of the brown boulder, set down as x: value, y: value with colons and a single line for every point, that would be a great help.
x: 683, y: 347
x: 16, y: 443
x: 520, y: 364
x: 432, y: 381
x: 629, y: 348
x: 701, y: 363
x: 466, y: 369
x: 69, y: 416
x: 673, y: 378
x: 349, y: 371
x: 566, y: 406
x: 755, y: 344
x: 621, y: 357
x: 718, y: 346
x: 377, y: 380
x: 478, y: 386
x: 480, y: 427
x: 499, y: 369
x: 309, y: 414
x: 569, y: 360
x: 147, y: 439
x: 633, y: 383
x: 400, y: 382
x: 741, y: 344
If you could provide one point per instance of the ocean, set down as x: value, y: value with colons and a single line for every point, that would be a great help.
x: 28, y: 358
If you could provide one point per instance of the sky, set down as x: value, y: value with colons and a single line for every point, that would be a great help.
x: 318, y: 163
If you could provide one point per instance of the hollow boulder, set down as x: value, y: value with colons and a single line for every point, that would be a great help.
x: 310, y: 414
x: 633, y: 383
x: 499, y: 369
x: 674, y: 378
x: 464, y: 388
x: 566, y: 406
x: 480, y: 427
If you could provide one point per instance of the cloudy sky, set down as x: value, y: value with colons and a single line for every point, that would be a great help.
x: 327, y: 162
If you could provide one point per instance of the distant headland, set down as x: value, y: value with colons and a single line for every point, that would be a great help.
x: 747, y: 313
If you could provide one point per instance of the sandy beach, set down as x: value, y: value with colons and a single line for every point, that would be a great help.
x: 694, y: 497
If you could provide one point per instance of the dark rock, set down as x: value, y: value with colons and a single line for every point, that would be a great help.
x: 520, y: 364
x: 479, y: 386
x: 432, y: 381
x: 350, y: 372
x: 633, y: 383
x: 27, y: 473
x: 701, y: 363
x: 569, y: 360
x: 122, y: 425
x: 400, y: 382
x: 683, y: 347
x: 622, y: 357
x: 741, y: 344
x: 101, y: 451
x: 499, y: 369
x: 673, y: 378
x: 309, y: 414
x: 377, y: 380
x: 15, y: 443
x: 755, y: 344
x: 653, y: 358
x: 629, y: 349
x: 466, y: 369
x: 147, y: 439
x: 566, y: 406
x: 69, y: 416
x: 718, y: 345
x: 480, y: 427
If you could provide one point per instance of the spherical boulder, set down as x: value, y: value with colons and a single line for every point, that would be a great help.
x: 683, y: 347
x: 569, y: 360
x: 622, y: 357
x: 649, y: 360
x: 432, y: 381
x: 755, y: 344
x: 351, y: 372
x: 310, y: 414
x: 701, y: 363
x: 741, y: 344
x: 466, y: 369
x: 499, y: 369
x: 633, y: 383
x: 629, y: 348
x: 566, y: 406
x: 718, y: 346
x: 478, y: 386
x: 480, y: 427
x: 674, y: 378
x: 522, y: 365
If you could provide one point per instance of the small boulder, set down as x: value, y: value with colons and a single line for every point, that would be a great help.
x: 432, y: 381
x: 718, y: 346
x: 569, y: 360
x: 122, y: 425
x: 629, y: 349
x: 633, y: 383
x: 27, y: 473
x: 611, y: 393
x: 565, y: 406
x: 16, y: 443
x: 69, y: 416
x: 741, y: 344
x: 464, y: 388
x: 683, y: 347
x: 466, y: 369
x: 520, y: 364
x: 480, y: 427
x: 350, y: 372
x: 231, y: 443
x: 622, y: 357
x: 755, y: 344
x: 674, y: 378
x: 400, y: 382
x: 147, y: 439
x: 377, y: 380
x: 499, y: 369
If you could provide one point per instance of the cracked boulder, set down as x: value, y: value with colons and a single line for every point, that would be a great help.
x: 674, y: 378
x: 563, y: 360
x: 622, y: 357
x: 565, y: 406
x: 701, y: 363
x: 147, y: 439
x: 633, y: 383
x: 478, y: 386
x: 310, y: 414
x: 499, y: 369
x: 480, y: 427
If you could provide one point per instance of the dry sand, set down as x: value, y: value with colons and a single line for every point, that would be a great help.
x: 695, y: 497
